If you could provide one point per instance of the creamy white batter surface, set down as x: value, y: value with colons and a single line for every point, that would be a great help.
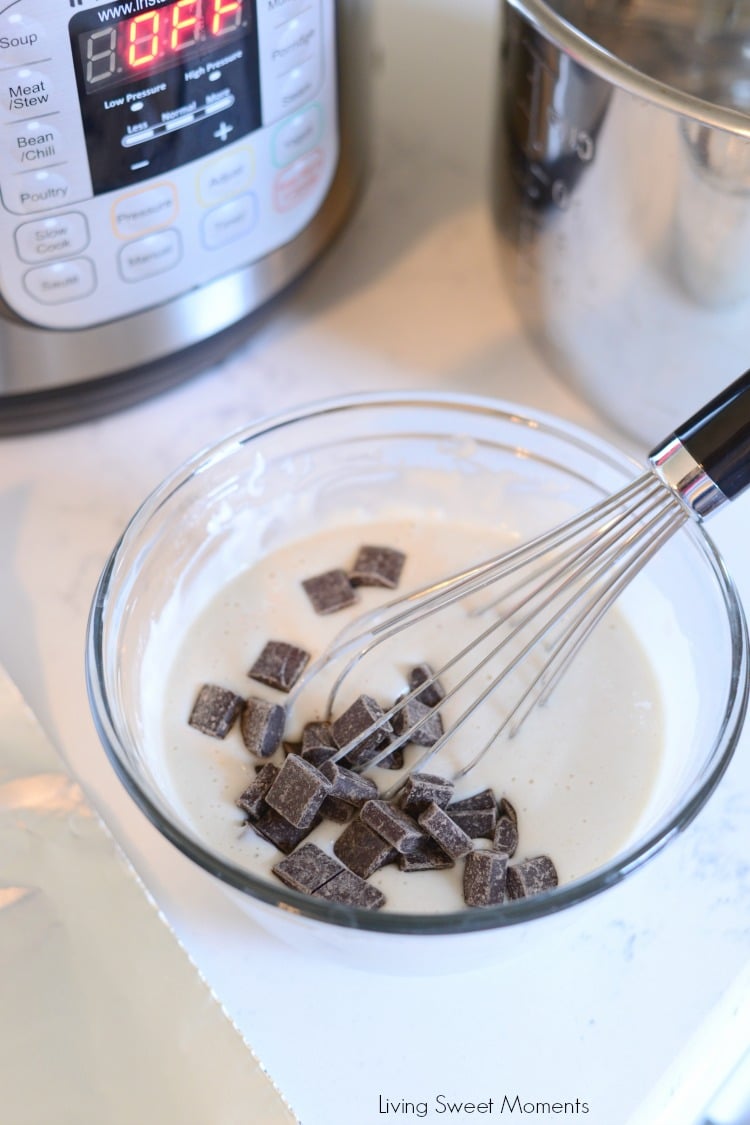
x: 579, y: 773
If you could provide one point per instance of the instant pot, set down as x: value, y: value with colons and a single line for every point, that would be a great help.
x: 167, y: 167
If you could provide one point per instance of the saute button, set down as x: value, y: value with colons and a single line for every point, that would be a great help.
x: 230, y: 221
x: 148, y: 256
x: 21, y: 39
x: 47, y: 239
x: 63, y: 281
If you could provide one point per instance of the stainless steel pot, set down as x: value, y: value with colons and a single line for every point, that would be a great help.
x: 621, y: 191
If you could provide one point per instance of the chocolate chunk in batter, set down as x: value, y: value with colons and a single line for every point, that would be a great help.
x: 427, y: 856
x: 377, y: 566
x: 452, y: 839
x: 531, y: 877
x: 363, y: 851
x: 329, y: 591
x: 215, y: 710
x: 350, y: 725
x: 307, y: 868
x: 347, y: 785
x: 421, y: 789
x: 351, y: 890
x: 333, y: 808
x: 262, y: 726
x: 505, y: 808
x: 484, y: 878
x: 298, y: 791
x: 477, y: 823
x: 424, y: 728
x: 279, y: 665
x: 274, y: 828
x: 505, y: 838
x: 395, y: 826
x: 317, y: 743
x: 253, y: 799
x: 485, y: 799
x: 433, y: 692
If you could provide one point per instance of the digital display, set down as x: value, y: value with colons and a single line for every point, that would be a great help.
x: 149, y: 40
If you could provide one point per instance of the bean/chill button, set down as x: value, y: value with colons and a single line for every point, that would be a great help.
x: 63, y: 281
x: 143, y: 211
x: 21, y: 39
x: 47, y: 239
x: 297, y: 135
x: 230, y: 221
x: 148, y: 256
x: 34, y: 143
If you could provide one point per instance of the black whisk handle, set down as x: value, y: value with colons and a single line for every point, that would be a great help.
x: 717, y: 437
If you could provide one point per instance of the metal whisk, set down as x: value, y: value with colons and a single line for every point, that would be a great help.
x: 535, y: 605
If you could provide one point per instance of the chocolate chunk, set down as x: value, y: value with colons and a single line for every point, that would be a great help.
x: 279, y: 665
x: 433, y: 692
x: 505, y: 838
x: 395, y: 826
x: 350, y: 889
x: 377, y: 566
x: 484, y: 878
x: 477, y: 823
x: 531, y: 877
x: 298, y: 791
x: 350, y: 726
x: 421, y: 789
x: 347, y: 785
x: 505, y: 808
x: 274, y: 828
x: 329, y: 591
x: 427, y: 856
x: 424, y: 728
x: 333, y: 808
x: 317, y: 743
x: 262, y: 726
x: 215, y: 710
x: 253, y: 800
x: 307, y: 868
x: 485, y: 799
x: 452, y: 839
x: 362, y: 850
x: 393, y: 761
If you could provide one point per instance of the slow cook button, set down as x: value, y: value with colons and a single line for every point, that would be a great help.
x: 62, y: 281
x: 151, y: 255
x: 28, y: 91
x: 140, y: 212
x: 21, y: 39
x: 230, y: 221
x: 34, y: 143
x: 297, y: 135
x: 47, y: 239
x: 295, y: 42
x: 36, y: 191
x: 226, y: 176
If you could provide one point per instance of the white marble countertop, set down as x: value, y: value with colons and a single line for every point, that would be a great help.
x: 637, y: 1014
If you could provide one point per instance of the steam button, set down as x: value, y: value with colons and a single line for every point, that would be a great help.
x: 299, y: 85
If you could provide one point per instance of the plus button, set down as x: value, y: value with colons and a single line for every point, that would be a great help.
x: 223, y: 131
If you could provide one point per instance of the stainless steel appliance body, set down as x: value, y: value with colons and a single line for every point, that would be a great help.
x: 621, y: 190
x: 167, y: 167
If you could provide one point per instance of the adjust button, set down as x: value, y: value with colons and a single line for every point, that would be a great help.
x: 61, y: 282
x: 47, y: 239
x: 148, y: 256
x: 230, y: 221
x: 21, y: 39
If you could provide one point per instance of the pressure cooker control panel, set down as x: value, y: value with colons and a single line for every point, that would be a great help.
x: 151, y: 146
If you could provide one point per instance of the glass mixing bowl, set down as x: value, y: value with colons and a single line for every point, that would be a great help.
x: 277, y: 480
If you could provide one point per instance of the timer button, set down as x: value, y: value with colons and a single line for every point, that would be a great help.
x: 33, y: 144
x: 140, y: 212
x: 21, y: 39
x: 61, y: 282
x: 36, y: 191
x: 226, y: 176
x: 57, y: 237
x: 297, y: 135
x: 148, y: 256
x: 295, y: 42
x: 229, y: 222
